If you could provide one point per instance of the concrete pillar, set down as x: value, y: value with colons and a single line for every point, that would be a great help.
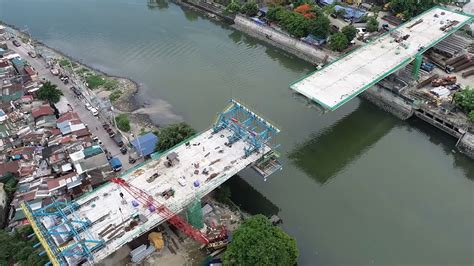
x: 417, y: 65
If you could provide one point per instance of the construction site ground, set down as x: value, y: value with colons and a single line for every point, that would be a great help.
x: 184, y: 250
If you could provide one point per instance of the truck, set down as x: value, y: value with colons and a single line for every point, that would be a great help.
x: 116, y: 164
x: 118, y: 139
x: 427, y: 66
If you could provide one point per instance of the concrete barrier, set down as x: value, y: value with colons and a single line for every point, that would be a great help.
x: 280, y: 40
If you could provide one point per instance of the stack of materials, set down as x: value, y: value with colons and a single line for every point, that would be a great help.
x: 141, y: 253
x: 156, y: 239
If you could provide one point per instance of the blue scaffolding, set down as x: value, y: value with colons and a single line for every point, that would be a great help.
x: 65, y: 227
x: 247, y: 126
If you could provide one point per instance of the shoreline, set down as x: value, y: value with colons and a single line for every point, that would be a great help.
x: 126, y: 103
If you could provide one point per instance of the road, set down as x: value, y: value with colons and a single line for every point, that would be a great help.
x: 92, y: 122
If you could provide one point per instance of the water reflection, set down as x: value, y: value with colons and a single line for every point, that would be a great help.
x: 446, y: 142
x: 323, y: 156
x: 248, y: 198
x: 157, y: 4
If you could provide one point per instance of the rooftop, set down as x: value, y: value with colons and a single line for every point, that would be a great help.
x: 359, y: 70
x: 145, y: 144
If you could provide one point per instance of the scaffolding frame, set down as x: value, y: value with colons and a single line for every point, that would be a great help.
x: 247, y: 126
x: 67, y: 227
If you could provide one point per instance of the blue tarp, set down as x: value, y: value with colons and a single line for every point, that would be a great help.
x: 351, y: 13
x: 145, y: 144
x: 313, y: 40
x: 258, y: 21
x: 326, y: 2
x: 115, y: 163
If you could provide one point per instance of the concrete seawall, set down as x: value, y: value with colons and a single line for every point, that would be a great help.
x: 280, y: 40
x: 466, y: 145
x: 388, y: 102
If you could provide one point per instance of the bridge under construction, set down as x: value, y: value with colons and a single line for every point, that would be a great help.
x: 347, y: 77
x: 92, y: 227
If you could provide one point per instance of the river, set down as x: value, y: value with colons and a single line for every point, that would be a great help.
x: 358, y: 186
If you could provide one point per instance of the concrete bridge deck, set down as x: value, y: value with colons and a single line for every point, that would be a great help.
x: 342, y: 80
x: 104, y: 206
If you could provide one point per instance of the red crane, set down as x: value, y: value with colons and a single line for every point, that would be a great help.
x: 174, y: 219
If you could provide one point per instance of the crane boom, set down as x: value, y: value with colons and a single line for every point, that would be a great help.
x: 174, y: 219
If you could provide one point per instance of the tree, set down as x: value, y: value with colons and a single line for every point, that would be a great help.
x: 258, y: 242
x: 49, y: 92
x: 250, y: 9
x: 320, y: 25
x: 372, y: 24
x: 232, y: 8
x: 122, y: 122
x: 15, y: 247
x: 169, y: 136
x: 465, y: 100
x: 338, y: 42
x: 350, y: 32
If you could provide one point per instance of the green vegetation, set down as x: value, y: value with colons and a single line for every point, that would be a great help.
x: 258, y: 242
x: 410, y: 8
x: 250, y: 9
x: 111, y: 84
x: 95, y: 81
x: 15, y: 248
x: 232, y: 8
x: 115, y: 95
x: 83, y: 72
x: 338, y: 42
x: 350, y: 32
x: 465, y: 100
x: 169, y: 136
x: 372, y: 24
x: 49, y: 92
x: 222, y: 194
x: 300, y: 25
x: 9, y: 184
x: 122, y: 122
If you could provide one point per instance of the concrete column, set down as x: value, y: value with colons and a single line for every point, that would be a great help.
x: 417, y: 65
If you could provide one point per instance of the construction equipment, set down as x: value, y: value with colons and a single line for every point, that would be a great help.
x: 156, y: 239
x: 147, y: 200
x: 448, y: 80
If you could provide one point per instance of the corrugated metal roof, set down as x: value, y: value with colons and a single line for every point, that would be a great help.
x: 145, y: 144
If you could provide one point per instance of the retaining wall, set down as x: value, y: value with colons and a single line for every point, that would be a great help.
x: 388, y: 102
x: 466, y: 144
x: 280, y: 40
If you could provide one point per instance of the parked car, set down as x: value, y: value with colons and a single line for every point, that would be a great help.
x: 32, y: 54
x: 54, y: 71
x: 123, y: 150
x: 16, y: 43
x: 116, y: 164
x: 88, y: 106
x: 333, y: 15
x: 94, y: 111
x: 111, y: 133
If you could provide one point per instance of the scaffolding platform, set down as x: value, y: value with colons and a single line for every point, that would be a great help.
x: 347, y: 77
x: 175, y: 178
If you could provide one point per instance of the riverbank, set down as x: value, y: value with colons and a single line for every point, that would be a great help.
x: 394, y: 103
x: 126, y: 88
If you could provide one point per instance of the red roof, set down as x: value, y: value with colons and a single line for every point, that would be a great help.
x: 42, y: 110
x: 68, y: 117
x: 29, y: 196
x: 55, y: 183
x: 29, y: 70
x: 4, y: 64
x: 23, y: 151
x: 11, y: 167
x: 27, y: 170
x: 55, y: 132
x: 81, y: 132
x: 27, y: 98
